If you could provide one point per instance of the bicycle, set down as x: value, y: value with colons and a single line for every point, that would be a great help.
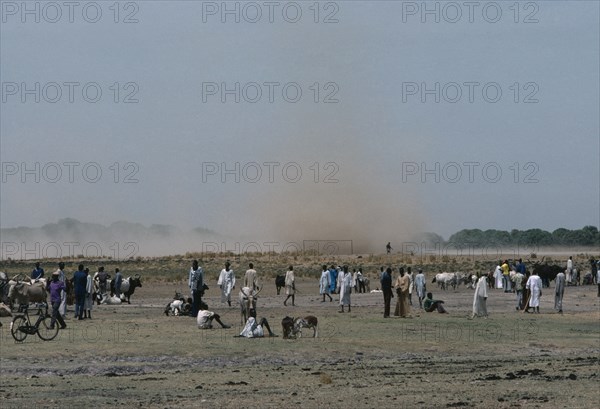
x: 21, y: 325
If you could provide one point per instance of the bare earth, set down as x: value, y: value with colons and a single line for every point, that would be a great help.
x: 133, y: 355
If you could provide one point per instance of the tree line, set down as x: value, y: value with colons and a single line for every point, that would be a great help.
x: 587, y: 236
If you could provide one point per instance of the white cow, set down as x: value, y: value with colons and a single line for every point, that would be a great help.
x: 446, y: 279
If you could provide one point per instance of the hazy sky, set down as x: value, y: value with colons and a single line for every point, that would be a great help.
x: 518, y: 91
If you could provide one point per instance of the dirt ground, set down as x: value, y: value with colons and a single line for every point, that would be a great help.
x: 134, y: 355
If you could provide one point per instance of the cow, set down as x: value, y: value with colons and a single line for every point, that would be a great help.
x: 310, y: 321
x: 110, y: 300
x: 128, y: 287
x: 446, y: 279
x: 547, y: 272
x: 23, y: 293
x: 248, y: 298
x: 279, y: 283
x: 287, y: 325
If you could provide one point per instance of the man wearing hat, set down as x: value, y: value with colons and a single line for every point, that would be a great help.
x: 56, y: 288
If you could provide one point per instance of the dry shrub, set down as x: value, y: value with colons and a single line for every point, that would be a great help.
x: 326, y: 378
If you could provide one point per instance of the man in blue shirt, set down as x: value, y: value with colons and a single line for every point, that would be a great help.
x: 79, y: 285
x: 333, y: 274
x: 118, y: 282
x: 37, y: 272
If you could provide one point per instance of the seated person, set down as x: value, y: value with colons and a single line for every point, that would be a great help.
x: 429, y: 304
x: 205, y: 318
x: 254, y: 329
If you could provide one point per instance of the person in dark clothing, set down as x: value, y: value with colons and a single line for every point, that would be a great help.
x: 56, y: 287
x: 196, y: 286
x: 79, y: 285
x: 431, y: 305
x: 386, y: 287
x: 37, y: 272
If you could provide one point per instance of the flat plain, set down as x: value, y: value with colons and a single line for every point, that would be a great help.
x: 135, y: 356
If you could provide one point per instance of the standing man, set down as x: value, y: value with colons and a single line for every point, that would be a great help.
x: 102, y: 277
x: 361, y: 281
x: 118, y: 282
x: 196, y: 283
x: 79, y: 285
x: 498, y: 276
x: 290, y: 285
x: 345, y: 290
x: 37, y: 272
x: 402, y: 285
x: 569, y: 271
x: 411, y: 284
x: 480, y: 298
x: 227, y: 283
x: 518, y: 280
x: 386, y: 287
x: 421, y: 287
x: 505, y: 276
x: 89, y: 292
x: 388, y: 248
x: 333, y: 274
x: 56, y: 288
x: 324, y: 284
x: 62, y: 309
x: 559, y: 291
x: 534, y: 285
x: 250, y: 279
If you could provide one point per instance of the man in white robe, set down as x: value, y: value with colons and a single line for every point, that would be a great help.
x: 534, y: 285
x: 345, y: 289
x: 89, y: 292
x: 559, y: 291
x: 324, y: 284
x: 480, y: 298
x: 498, y: 276
x: 226, y: 283
x: 290, y: 285
x: 569, y: 270
x: 421, y: 287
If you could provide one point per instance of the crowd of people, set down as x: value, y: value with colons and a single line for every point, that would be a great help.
x: 510, y: 277
x: 83, y: 289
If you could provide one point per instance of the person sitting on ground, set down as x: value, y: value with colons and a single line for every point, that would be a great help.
x: 430, y: 304
x: 254, y: 329
x: 205, y: 318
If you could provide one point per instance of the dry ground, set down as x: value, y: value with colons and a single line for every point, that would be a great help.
x: 133, y: 355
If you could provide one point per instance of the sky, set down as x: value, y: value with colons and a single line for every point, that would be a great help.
x: 347, y: 120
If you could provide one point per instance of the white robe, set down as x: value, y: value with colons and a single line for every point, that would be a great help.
x: 290, y: 283
x: 534, y: 285
x: 89, y: 290
x: 227, y: 284
x: 479, y: 298
x: 252, y: 329
x: 559, y: 291
x: 498, y: 277
x: 204, y: 319
x: 324, y: 283
x: 420, y: 284
x: 345, y: 287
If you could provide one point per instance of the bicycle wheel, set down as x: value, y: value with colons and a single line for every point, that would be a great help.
x: 44, y: 330
x: 16, y: 333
